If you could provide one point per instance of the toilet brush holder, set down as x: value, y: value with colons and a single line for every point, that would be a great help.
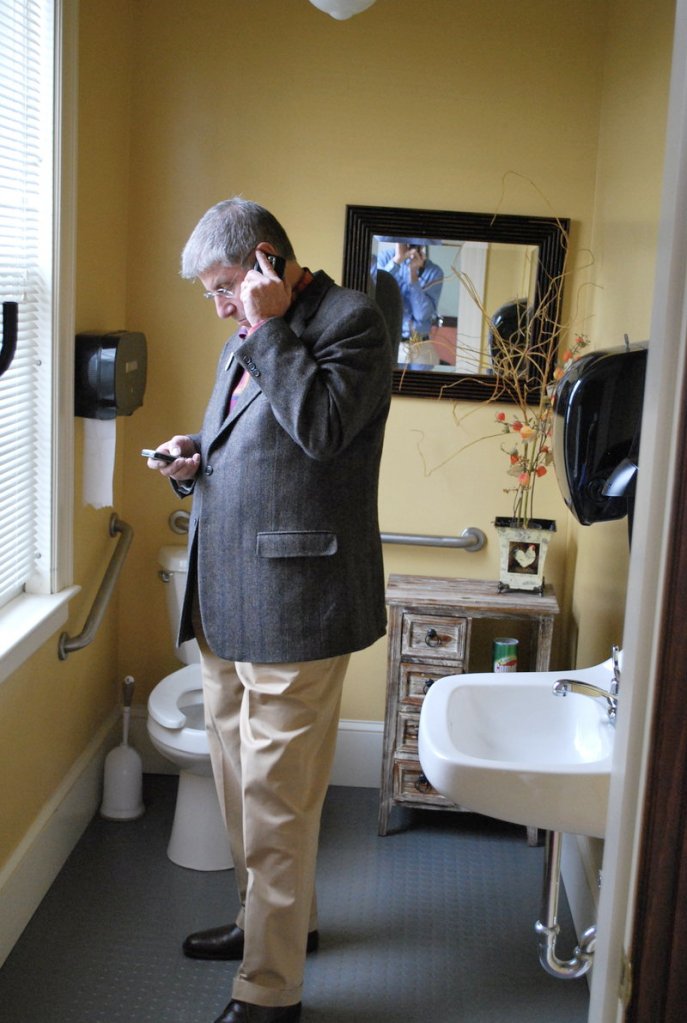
x: 123, y: 781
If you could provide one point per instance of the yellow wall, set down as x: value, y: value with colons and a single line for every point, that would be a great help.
x: 474, y: 106
x: 624, y: 236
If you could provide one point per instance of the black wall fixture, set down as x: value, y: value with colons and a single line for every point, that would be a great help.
x: 8, y: 346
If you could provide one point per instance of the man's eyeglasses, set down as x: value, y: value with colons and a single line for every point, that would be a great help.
x: 219, y: 293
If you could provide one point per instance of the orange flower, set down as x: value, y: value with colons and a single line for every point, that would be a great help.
x: 529, y: 452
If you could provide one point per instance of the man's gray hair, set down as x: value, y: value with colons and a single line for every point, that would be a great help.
x: 229, y: 233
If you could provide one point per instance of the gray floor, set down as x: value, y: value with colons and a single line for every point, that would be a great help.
x: 432, y: 924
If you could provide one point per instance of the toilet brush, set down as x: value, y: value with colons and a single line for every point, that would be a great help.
x: 123, y: 784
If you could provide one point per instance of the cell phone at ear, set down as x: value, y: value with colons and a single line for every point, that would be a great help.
x: 278, y: 265
x: 158, y: 456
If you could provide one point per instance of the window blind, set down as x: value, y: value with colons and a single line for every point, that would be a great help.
x: 26, y: 242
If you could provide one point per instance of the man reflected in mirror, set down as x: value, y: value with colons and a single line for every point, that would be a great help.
x: 420, y: 281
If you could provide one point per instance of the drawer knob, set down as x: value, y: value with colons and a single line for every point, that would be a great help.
x: 427, y: 684
x: 422, y: 783
x: 432, y: 638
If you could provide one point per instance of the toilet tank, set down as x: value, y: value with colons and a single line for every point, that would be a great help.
x: 173, y: 561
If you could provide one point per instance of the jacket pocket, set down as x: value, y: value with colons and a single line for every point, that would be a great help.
x: 294, y: 544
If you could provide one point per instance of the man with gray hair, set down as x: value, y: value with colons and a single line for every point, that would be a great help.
x: 285, y: 573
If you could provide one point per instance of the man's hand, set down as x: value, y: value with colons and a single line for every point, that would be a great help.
x: 186, y: 459
x: 264, y: 295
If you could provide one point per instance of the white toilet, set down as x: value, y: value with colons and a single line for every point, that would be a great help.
x: 176, y: 727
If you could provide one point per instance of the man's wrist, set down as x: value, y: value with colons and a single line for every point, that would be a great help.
x: 256, y: 326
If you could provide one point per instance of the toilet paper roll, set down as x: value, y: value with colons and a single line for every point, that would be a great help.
x: 100, y: 436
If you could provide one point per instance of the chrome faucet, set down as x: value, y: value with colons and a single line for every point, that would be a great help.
x: 571, y: 685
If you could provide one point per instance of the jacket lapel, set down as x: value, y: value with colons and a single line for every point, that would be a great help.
x: 228, y: 374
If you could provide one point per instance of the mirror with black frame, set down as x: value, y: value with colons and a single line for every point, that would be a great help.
x: 462, y: 277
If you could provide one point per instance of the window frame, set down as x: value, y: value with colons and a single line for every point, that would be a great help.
x: 28, y: 621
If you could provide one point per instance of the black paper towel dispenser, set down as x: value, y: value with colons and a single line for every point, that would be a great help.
x: 109, y: 373
x: 596, y: 428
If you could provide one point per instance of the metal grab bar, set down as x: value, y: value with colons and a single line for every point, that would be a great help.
x: 68, y: 644
x: 471, y: 539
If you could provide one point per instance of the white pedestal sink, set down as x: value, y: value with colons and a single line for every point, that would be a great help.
x: 505, y: 746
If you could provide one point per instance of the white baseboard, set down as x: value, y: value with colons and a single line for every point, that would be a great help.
x: 357, y: 761
x: 579, y: 873
x: 580, y: 876
x: 358, y: 757
x: 34, y: 865
x: 41, y: 854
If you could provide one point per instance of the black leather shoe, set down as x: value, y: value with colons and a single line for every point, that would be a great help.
x: 246, y: 1012
x: 226, y: 943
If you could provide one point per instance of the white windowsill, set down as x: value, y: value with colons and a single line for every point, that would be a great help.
x: 27, y: 623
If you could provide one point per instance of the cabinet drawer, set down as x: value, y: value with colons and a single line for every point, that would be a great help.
x: 430, y: 636
x: 407, y: 730
x: 415, y: 680
x: 411, y: 786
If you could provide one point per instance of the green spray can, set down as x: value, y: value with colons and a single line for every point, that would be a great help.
x: 505, y: 654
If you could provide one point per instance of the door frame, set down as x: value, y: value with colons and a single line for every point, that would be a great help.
x: 639, y: 971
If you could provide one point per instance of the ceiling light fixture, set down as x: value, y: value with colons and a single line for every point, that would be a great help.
x: 342, y: 9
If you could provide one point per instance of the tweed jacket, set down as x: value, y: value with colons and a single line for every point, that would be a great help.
x: 284, y: 536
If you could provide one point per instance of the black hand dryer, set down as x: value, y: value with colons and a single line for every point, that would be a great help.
x: 596, y: 427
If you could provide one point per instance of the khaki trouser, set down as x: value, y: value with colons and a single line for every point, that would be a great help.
x: 272, y: 734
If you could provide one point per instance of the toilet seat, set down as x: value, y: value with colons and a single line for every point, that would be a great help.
x: 181, y: 690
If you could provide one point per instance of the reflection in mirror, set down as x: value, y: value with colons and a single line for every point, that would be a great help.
x: 460, y: 275
x: 443, y: 324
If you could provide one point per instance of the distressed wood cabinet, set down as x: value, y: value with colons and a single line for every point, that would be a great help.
x: 431, y: 623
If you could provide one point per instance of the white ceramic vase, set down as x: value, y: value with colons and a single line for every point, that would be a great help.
x: 522, y: 551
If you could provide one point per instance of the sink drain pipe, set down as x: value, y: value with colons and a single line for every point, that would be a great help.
x: 548, y: 928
